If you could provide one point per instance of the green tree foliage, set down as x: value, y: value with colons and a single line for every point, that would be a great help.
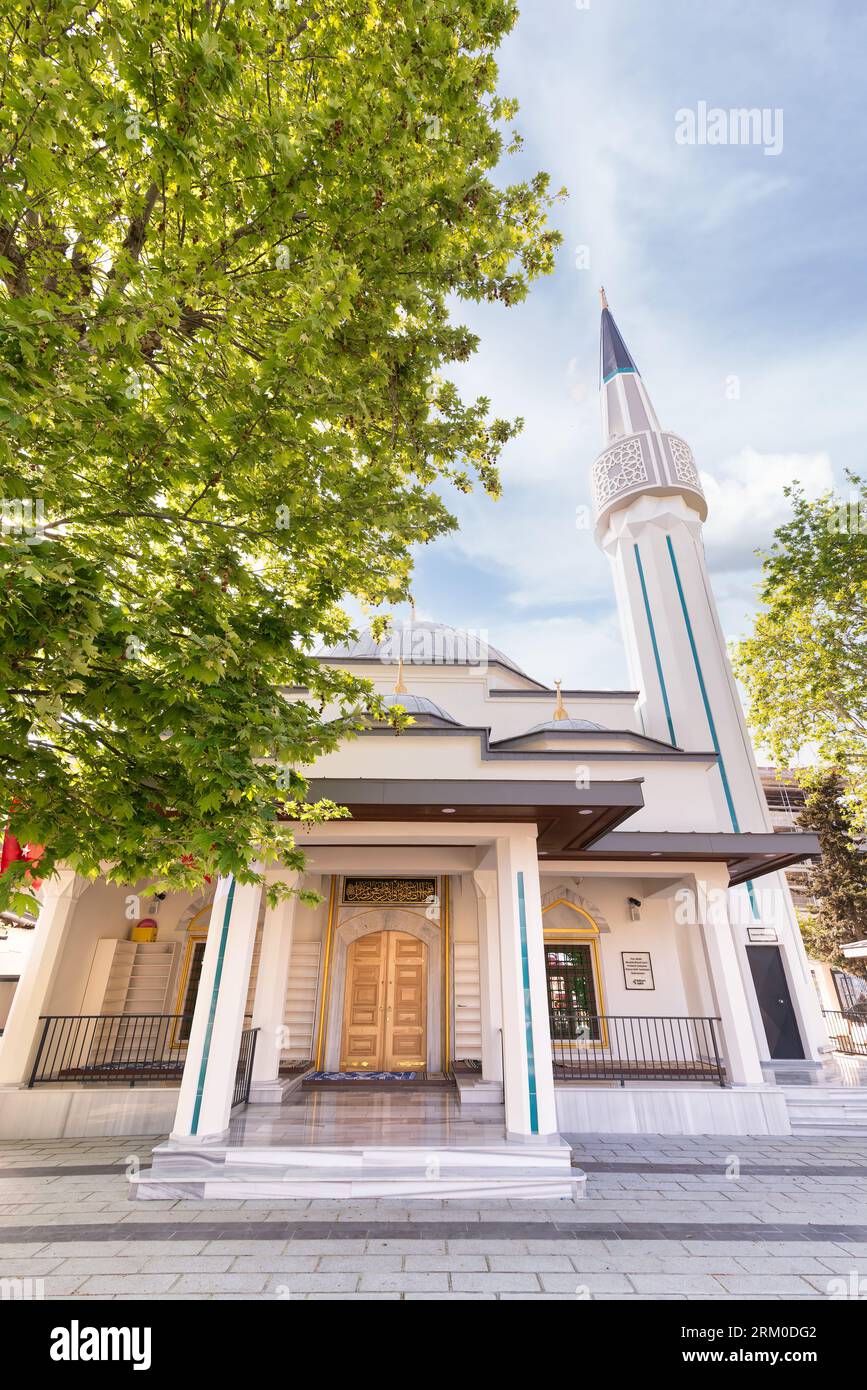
x: 805, y: 664
x: 838, y: 880
x: 230, y: 234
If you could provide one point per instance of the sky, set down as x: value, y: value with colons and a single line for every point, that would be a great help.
x: 736, y: 277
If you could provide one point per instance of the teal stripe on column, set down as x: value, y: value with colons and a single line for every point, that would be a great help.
x: 528, y: 1008
x: 655, y: 646
x: 701, y: 685
x: 209, y: 1031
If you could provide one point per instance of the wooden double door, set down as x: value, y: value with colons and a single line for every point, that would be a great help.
x: 385, y: 1004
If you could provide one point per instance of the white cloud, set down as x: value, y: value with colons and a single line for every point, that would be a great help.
x: 747, y: 502
x: 583, y: 654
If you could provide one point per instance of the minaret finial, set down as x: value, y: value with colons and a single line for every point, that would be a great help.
x: 399, y: 687
x: 560, y: 711
x: 603, y: 296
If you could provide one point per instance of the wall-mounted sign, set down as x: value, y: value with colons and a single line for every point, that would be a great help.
x: 637, y: 970
x: 389, y: 890
x: 762, y: 934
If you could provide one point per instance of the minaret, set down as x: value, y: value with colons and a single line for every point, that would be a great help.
x: 649, y: 513
x: 650, y: 510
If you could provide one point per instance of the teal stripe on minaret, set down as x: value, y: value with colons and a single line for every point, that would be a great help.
x: 655, y: 646
x: 707, y: 709
x: 703, y: 688
x: 215, y: 992
x: 528, y: 1008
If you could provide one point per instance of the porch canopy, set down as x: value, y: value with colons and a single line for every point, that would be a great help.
x: 748, y: 855
x: 568, y: 818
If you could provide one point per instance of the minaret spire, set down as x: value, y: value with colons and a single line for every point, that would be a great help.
x: 399, y: 687
x: 626, y: 406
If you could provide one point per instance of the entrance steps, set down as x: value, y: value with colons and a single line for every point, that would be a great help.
x: 827, y: 1110
x: 539, y: 1171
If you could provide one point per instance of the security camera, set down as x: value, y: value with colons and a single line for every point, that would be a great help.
x: 634, y: 909
x: 634, y: 902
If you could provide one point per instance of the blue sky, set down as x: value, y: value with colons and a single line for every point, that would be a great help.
x: 719, y: 262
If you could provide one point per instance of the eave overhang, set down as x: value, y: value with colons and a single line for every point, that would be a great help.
x: 747, y: 855
x: 651, y: 749
x: 568, y: 819
x: 855, y: 950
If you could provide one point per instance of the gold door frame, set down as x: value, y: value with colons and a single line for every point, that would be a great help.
x: 194, y: 937
x: 328, y: 969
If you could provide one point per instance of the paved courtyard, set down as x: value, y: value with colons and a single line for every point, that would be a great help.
x: 781, y: 1218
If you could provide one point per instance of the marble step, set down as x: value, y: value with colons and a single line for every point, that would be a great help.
x: 473, y: 1090
x: 167, y: 1158
x: 502, y: 1170
x: 827, y: 1110
x: 257, y: 1184
x: 830, y: 1130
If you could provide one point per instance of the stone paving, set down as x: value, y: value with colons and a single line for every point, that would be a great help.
x: 680, y: 1218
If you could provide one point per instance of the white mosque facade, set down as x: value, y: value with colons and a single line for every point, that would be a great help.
x: 565, y: 911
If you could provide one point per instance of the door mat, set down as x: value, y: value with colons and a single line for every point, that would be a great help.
x: 365, y: 1076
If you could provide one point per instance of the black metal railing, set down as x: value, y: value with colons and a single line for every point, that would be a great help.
x: 244, y: 1069
x: 847, y: 1028
x: 614, y: 1047
x: 110, y: 1048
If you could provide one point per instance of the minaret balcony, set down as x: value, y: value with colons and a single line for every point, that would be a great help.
x: 649, y: 461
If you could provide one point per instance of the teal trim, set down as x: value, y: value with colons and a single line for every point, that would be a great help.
x: 655, y: 646
x: 722, y: 767
x: 528, y: 1009
x: 621, y: 371
x: 702, y: 687
x: 209, y: 1031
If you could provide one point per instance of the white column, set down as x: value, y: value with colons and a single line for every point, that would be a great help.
x: 205, y: 1101
x: 489, y: 975
x: 58, y: 898
x: 529, y: 1078
x: 269, y: 1002
x: 739, y: 1042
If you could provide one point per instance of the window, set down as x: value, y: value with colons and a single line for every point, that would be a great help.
x: 571, y: 990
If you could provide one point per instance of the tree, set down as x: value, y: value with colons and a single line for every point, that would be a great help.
x: 805, y: 665
x: 838, y: 880
x: 230, y: 236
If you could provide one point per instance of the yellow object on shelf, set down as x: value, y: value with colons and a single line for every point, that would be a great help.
x: 144, y: 931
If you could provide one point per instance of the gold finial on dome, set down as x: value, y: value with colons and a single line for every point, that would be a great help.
x: 560, y: 711
x: 399, y: 687
x: 603, y: 296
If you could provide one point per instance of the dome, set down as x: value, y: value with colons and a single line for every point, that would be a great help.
x: 422, y: 643
x: 565, y: 726
x: 420, y: 707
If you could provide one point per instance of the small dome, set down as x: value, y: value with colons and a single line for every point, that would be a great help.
x: 420, y: 707
x: 564, y: 726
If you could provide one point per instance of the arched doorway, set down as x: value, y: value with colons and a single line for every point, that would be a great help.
x: 385, y: 1003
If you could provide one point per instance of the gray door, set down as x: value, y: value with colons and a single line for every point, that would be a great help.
x: 775, y: 1002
